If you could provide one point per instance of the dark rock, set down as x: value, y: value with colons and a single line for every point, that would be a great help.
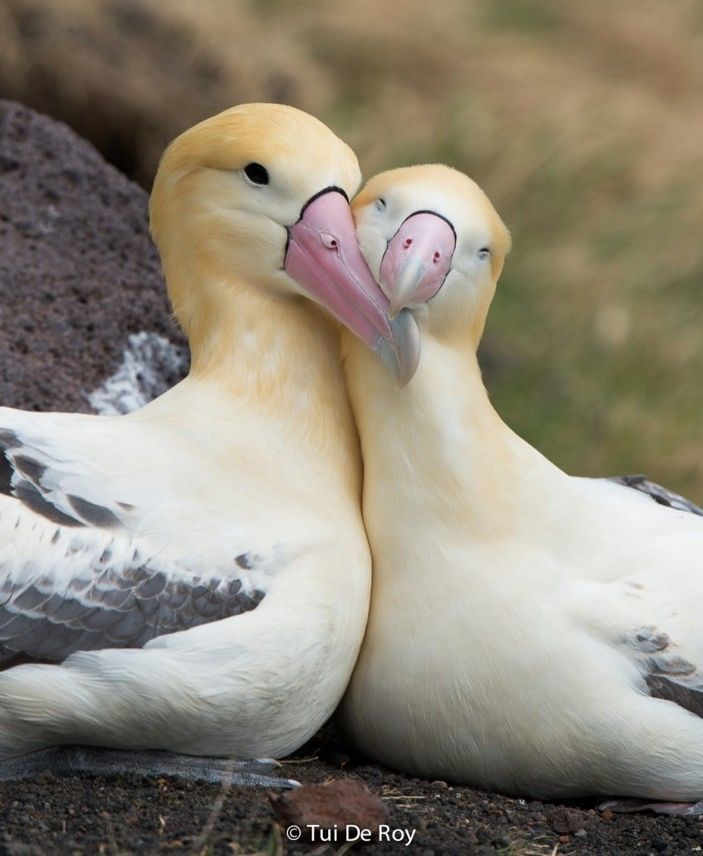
x: 565, y: 821
x: 78, y: 271
x: 334, y: 804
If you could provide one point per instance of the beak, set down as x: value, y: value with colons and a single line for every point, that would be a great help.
x: 417, y: 260
x: 324, y: 258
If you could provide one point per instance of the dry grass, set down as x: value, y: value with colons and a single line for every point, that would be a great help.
x: 582, y: 121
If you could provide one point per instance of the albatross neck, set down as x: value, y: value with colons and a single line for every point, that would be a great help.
x: 436, y: 454
x: 273, y: 356
x: 242, y: 337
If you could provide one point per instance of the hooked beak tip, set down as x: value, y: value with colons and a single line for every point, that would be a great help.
x: 407, y: 346
x: 404, y: 291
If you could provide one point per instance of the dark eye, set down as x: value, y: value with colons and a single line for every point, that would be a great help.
x: 380, y: 204
x: 256, y: 173
x: 484, y: 252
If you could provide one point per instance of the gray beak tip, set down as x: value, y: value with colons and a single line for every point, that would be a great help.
x: 407, y: 346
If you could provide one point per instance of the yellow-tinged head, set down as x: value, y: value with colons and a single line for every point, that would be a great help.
x: 435, y: 243
x: 257, y: 197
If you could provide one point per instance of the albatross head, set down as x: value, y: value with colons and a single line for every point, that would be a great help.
x: 429, y: 233
x: 259, y: 195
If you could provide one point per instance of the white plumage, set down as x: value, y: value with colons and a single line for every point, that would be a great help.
x: 194, y: 576
x: 529, y: 631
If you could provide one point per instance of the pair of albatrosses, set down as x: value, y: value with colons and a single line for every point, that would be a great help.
x: 528, y: 631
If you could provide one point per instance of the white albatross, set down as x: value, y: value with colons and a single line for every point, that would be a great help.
x: 529, y: 631
x: 194, y: 576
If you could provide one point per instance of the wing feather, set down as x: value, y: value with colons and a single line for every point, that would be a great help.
x: 660, y: 495
x: 76, y: 572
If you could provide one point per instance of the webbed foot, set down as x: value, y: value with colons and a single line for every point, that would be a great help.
x: 625, y: 806
x: 91, y: 760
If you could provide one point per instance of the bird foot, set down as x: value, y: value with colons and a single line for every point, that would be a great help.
x: 96, y: 761
x: 625, y: 806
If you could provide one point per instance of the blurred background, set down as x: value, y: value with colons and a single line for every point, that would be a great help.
x: 582, y: 121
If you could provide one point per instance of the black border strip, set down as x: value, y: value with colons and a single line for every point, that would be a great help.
x: 331, y: 189
x: 428, y: 211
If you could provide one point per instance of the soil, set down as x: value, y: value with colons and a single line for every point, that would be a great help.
x: 77, y: 274
x: 128, y: 814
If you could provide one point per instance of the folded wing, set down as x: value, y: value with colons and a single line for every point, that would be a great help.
x: 84, y: 565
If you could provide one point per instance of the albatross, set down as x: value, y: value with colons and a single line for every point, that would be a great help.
x: 194, y: 576
x: 529, y: 631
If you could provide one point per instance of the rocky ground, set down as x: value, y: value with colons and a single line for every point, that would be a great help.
x: 77, y: 275
x: 135, y: 815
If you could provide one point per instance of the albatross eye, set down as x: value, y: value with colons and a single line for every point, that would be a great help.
x: 256, y: 173
x: 484, y: 253
x: 381, y: 204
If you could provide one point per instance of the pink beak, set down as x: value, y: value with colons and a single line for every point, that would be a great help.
x: 324, y: 258
x: 417, y: 260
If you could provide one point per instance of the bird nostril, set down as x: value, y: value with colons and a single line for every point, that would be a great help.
x: 408, y: 242
x: 436, y: 257
x: 328, y: 240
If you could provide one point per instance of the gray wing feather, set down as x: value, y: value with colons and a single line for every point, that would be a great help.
x: 667, y: 675
x: 30, y: 474
x: 659, y: 494
x: 686, y: 693
x: 45, y: 625
x: 115, y: 596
